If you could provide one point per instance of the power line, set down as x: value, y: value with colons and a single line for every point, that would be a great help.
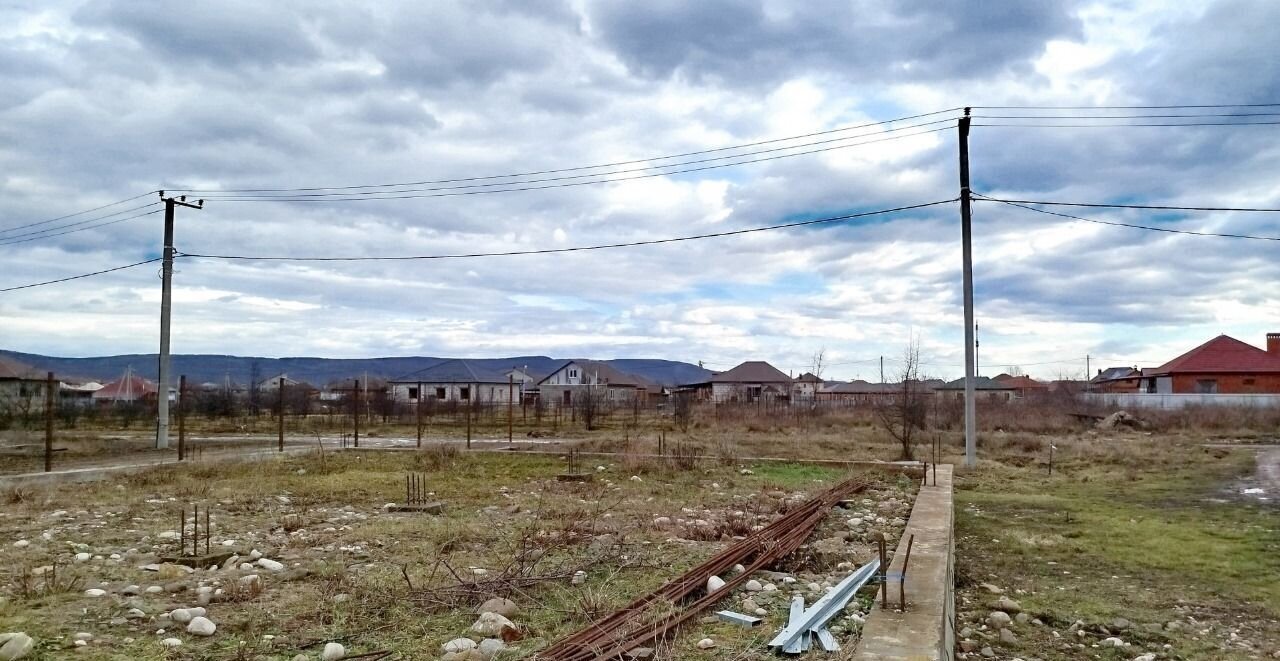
x: 1157, y: 207
x: 572, y: 183
x: 4, y: 239
x: 1094, y: 126
x: 573, y: 169
x: 81, y: 229
x: 82, y: 275
x: 1133, y: 225
x: 1145, y: 116
x: 73, y: 215
x: 545, y: 251
x: 1169, y: 107
x: 583, y: 176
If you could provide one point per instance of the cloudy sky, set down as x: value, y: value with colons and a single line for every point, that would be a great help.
x: 108, y: 99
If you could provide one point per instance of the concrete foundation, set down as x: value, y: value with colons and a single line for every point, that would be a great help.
x: 925, y: 629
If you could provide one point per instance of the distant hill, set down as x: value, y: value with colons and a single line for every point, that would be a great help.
x: 201, y: 368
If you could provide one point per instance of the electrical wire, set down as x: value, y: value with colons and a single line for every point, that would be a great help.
x: 1135, y: 226
x: 1170, y: 107
x: 572, y: 183
x: 545, y: 251
x: 82, y: 275
x: 78, y: 213
x: 81, y: 229
x: 1146, y: 116
x: 1095, y: 126
x: 587, y: 176
x: 76, y: 224
x: 577, y: 168
x: 1157, y: 207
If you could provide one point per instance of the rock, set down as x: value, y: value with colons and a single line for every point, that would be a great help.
x: 83, y: 635
x: 1120, y: 624
x: 270, y: 565
x: 746, y: 471
x: 82, y: 557
x: 988, y: 652
x: 490, y: 647
x: 21, y: 544
x: 499, y: 605
x: 761, y: 612
x: 966, y: 632
x: 750, y: 605
x: 15, y: 645
x: 458, y: 645
x: 636, y: 478
x: 1022, y: 618
x: 492, y: 624
x: 753, y: 586
x: 991, y: 588
x: 95, y: 592
x: 1112, y: 642
x: 714, y: 583
x: 135, y: 614
x: 251, y: 581
x: 1008, y: 605
x: 300, y: 657
x: 968, y: 645
x: 1145, y: 657
x: 181, y: 615
x: 171, y: 642
x: 333, y: 652
x: 579, y: 577
x: 662, y: 521
x: 154, y: 589
x: 131, y: 591
x: 999, y: 620
x: 255, y: 554
x: 1007, y: 637
x: 706, y: 644
x: 201, y: 626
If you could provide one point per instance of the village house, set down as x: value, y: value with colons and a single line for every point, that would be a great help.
x: 806, y: 386
x: 127, y: 389
x: 457, y: 380
x: 1024, y: 386
x: 984, y: 387
x: 751, y: 381
x: 1116, y: 379
x: 1223, y: 365
x: 21, y: 387
x: 562, y: 386
x: 859, y: 391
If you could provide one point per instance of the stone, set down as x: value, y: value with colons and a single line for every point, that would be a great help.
x: 966, y: 632
x: 82, y: 557
x: 499, y: 605
x: 662, y: 521
x: 131, y: 591
x: 490, y: 647
x: 270, y: 565
x: 135, y: 614
x: 579, y: 577
x: 458, y: 645
x: 15, y: 645
x: 714, y: 583
x: 636, y: 478
x: 21, y: 544
x: 1008, y: 605
x: 750, y: 605
x: 1007, y: 637
x: 1149, y: 656
x: 201, y: 626
x: 706, y: 644
x: 1120, y: 624
x: 1112, y: 642
x: 991, y: 588
x: 1022, y: 618
x: 300, y: 657
x: 988, y: 652
x: 753, y: 586
x: 251, y: 581
x: 95, y: 592
x: 181, y: 615
x: 333, y: 652
x: 154, y: 589
x: 999, y: 620
x: 492, y: 624
x: 968, y: 645
x: 83, y: 635
x: 171, y: 642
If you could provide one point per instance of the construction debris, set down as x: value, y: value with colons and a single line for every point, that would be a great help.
x: 747, y: 621
x: 797, y: 636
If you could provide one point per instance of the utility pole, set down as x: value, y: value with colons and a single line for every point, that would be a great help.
x: 166, y: 306
x: 355, y: 411
x: 182, y: 417
x: 1088, y: 373
x: 511, y: 404
x: 966, y: 235
x: 419, y: 413
x: 51, y: 392
x: 881, y: 370
x: 977, y: 352
x: 280, y: 409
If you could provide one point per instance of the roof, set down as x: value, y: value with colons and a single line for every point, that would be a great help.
x: 12, y: 369
x: 1114, y: 373
x: 752, y: 371
x: 1222, y: 354
x: 458, y: 370
x: 1021, y: 382
x: 809, y: 377
x: 979, y: 383
x: 131, y: 387
x: 604, y: 373
x: 860, y: 387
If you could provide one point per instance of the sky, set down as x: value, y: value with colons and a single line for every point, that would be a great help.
x: 109, y: 99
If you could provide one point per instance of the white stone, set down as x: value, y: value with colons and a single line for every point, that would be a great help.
x: 201, y: 626
x: 491, y: 624
x: 753, y: 586
x: 95, y: 592
x: 490, y: 647
x: 154, y: 589
x: 22, y: 544
x: 636, y: 478
x: 83, y: 635
x: 333, y: 652
x: 714, y: 583
x: 1112, y: 642
x: 83, y: 557
x: 270, y: 565
x: 579, y: 577
x: 1149, y: 656
x: 255, y: 554
x: 706, y: 644
x: 458, y: 645
x: 250, y: 581
x: 171, y: 642
x: 15, y: 645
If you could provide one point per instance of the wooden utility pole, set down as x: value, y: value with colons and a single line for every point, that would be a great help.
x: 966, y: 236
x: 182, y: 417
x: 280, y: 410
x: 511, y: 403
x: 50, y: 394
x: 355, y: 411
x: 419, y: 412
x: 166, y: 308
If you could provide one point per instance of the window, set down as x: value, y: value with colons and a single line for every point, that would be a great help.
x: 573, y: 374
x: 413, y: 392
x: 440, y: 393
x: 1206, y: 386
x: 464, y: 393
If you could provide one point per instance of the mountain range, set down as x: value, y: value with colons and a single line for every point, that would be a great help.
x: 202, y: 368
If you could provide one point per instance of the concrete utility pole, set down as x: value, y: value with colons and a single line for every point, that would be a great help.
x: 166, y: 306
x: 51, y: 392
x: 966, y: 235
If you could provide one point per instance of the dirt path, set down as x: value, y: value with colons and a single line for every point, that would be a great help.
x: 1268, y: 472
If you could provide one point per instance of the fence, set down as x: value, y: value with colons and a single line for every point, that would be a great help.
x: 1177, y: 401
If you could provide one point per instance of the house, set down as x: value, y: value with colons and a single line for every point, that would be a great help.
x: 78, y: 394
x: 984, y: 387
x: 563, y: 385
x: 1222, y: 365
x: 806, y: 386
x: 859, y: 391
x: 751, y: 381
x: 456, y: 380
x: 128, y: 389
x: 1116, y: 379
x: 1024, y: 386
x: 271, y: 384
x: 22, y: 388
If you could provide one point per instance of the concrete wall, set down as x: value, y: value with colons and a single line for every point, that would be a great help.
x: 476, y: 392
x: 1176, y: 400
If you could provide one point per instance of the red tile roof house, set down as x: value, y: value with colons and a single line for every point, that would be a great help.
x: 749, y: 382
x: 1223, y: 365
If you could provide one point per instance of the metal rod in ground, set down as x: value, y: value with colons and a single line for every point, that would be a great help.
x: 182, y: 531
x: 902, y: 584
x: 280, y: 412
x: 418, y: 412
x: 884, y: 565
x: 355, y: 411
x: 50, y: 395
x: 208, y: 531
x: 511, y: 405
x: 195, y: 530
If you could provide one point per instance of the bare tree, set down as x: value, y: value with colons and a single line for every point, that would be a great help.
x: 904, y: 411
x: 682, y: 408
x: 818, y: 363
x: 589, y: 404
x: 1014, y: 370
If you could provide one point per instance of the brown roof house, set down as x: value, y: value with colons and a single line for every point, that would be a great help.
x: 806, y: 386
x: 751, y: 381
x: 22, y: 389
